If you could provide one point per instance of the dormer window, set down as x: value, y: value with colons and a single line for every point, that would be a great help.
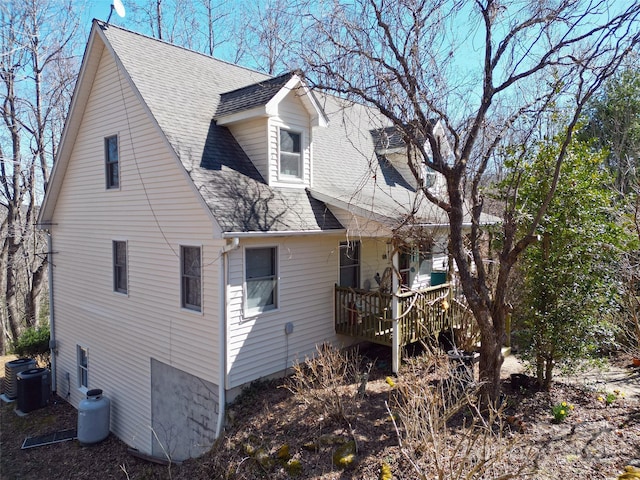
x: 428, y: 176
x: 290, y: 153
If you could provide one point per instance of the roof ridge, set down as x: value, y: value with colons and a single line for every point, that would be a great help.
x: 253, y: 85
x: 102, y: 24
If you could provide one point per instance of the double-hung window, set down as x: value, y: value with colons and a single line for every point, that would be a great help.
x: 83, y: 367
x: 112, y: 170
x: 191, y: 273
x: 120, y: 266
x: 261, y: 277
x: 350, y: 264
x: 290, y: 153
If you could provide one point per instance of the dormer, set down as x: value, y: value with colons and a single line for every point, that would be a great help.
x: 391, y: 147
x: 273, y: 122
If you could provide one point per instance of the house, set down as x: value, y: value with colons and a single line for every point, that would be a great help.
x: 200, y: 217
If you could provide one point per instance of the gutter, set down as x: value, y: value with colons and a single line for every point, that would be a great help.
x: 52, y: 323
x: 222, y: 332
x: 284, y: 233
x: 464, y: 224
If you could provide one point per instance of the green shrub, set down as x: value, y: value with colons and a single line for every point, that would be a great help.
x: 33, y: 342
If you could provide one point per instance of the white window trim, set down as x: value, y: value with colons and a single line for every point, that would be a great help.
x: 292, y: 178
x: 347, y: 244
x: 255, y: 312
x: 182, y: 306
x: 113, y: 266
x: 429, y: 176
x: 106, y: 163
x: 79, y: 349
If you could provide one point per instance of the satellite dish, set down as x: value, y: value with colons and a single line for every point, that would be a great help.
x: 118, y: 7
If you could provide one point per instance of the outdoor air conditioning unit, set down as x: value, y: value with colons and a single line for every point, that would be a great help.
x: 11, y: 371
x: 34, y: 389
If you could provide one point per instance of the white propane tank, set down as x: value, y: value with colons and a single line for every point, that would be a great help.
x: 93, y: 417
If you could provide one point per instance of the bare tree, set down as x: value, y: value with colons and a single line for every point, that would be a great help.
x: 202, y: 25
x: 215, y: 31
x: 488, y: 72
x: 269, y: 30
x: 37, y: 72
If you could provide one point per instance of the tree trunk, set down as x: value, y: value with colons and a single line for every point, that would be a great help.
x: 491, y: 360
x: 10, y: 251
x: 540, y: 370
x: 489, y: 313
x: 33, y: 295
x: 548, y: 374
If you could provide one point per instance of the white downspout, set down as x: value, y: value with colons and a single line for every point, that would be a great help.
x: 395, y: 336
x: 222, y: 332
x: 52, y: 323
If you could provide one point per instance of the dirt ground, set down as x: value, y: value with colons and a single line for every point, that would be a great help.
x: 595, y: 442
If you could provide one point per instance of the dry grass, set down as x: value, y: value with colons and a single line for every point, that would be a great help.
x: 277, y: 433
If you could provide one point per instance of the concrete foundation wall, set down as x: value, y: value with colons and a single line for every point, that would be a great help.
x: 184, y: 412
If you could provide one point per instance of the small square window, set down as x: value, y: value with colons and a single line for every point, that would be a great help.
x: 261, y: 278
x: 112, y: 170
x: 290, y: 153
x: 191, y: 272
x: 83, y: 367
x: 428, y: 176
x: 120, y: 267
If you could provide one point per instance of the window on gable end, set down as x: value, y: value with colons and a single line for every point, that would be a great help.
x: 191, y: 273
x: 290, y: 147
x: 112, y: 164
x: 120, y: 266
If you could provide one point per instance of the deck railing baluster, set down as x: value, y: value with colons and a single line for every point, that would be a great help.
x: 366, y: 314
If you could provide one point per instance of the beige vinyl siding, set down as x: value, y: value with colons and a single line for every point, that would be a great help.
x: 292, y: 115
x: 252, y: 137
x: 439, y: 253
x: 258, y: 345
x: 123, y: 332
x: 372, y: 252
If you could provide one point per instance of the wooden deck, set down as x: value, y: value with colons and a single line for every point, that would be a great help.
x: 368, y: 315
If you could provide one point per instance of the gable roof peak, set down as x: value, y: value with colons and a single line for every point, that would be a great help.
x: 261, y: 99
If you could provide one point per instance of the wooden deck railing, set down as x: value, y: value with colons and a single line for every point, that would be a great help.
x: 367, y: 315
x: 363, y: 314
x: 422, y: 313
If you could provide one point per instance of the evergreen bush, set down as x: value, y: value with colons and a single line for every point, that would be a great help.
x: 33, y: 342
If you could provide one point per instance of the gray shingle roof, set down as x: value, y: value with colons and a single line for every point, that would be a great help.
x: 251, y: 96
x: 184, y: 90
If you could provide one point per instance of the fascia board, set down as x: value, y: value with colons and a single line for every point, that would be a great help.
x: 260, y: 111
x: 390, y: 151
x: 318, y: 117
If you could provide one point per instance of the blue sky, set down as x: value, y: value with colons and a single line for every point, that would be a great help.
x: 100, y: 9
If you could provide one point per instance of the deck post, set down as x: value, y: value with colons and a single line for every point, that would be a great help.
x: 395, y: 315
